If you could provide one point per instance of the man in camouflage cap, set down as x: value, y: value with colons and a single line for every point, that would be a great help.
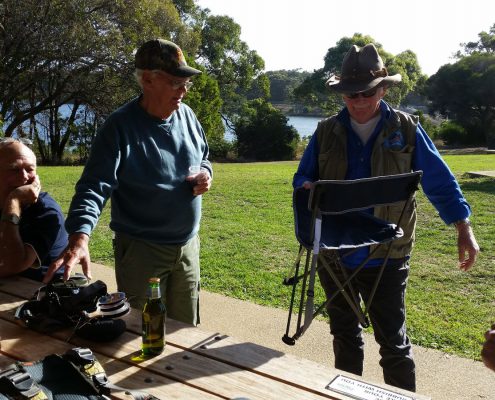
x: 140, y: 159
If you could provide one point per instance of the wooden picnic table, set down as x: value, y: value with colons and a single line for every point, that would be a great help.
x: 194, y: 365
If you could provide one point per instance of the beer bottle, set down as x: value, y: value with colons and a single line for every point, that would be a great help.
x: 153, y: 320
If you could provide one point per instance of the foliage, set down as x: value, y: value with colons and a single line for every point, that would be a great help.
x: 453, y: 134
x: 55, y: 53
x: 464, y: 92
x: 204, y: 99
x: 67, y: 65
x: 228, y: 59
x: 313, y: 93
x: 429, y: 125
x: 485, y: 44
x: 260, y: 88
x: 283, y: 83
x: 405, y: 63
x: 221, y: 149
x: 263, y: 134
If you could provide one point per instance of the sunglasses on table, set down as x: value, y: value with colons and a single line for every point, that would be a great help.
x: 367, y: 94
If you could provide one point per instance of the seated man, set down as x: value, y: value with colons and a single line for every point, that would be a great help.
x: 32, y: 232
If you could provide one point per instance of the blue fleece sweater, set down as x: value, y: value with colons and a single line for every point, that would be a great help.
x: 141, y: 163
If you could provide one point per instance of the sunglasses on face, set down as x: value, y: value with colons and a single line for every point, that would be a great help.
x: 367, y: 94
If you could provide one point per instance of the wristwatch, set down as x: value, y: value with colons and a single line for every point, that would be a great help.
x: 12, y: 218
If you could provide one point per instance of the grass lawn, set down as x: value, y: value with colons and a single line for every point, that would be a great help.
x: 248, y: 245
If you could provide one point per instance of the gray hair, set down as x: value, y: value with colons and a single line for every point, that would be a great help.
x: 138, y: 74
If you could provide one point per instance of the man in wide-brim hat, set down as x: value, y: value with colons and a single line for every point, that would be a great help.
x: 369, y: 138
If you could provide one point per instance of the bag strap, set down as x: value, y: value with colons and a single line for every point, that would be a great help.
x: 86, y: 363
x: 15, y: 380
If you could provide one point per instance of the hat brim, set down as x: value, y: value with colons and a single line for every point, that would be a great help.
x: 184, y: 71
x: 334, y: 83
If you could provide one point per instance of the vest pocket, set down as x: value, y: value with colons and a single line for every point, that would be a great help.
x: 398, y: 162
x: 332, y: 164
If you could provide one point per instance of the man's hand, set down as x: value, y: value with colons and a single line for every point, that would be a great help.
x: 201, y: 182
x: 467, y: 246
x: 307, y: 185
x: 21, y: 196
x: 77, y: 252
x: 488, y: 351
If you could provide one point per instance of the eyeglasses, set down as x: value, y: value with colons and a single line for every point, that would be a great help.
x: 25, y: 141
x: 367, y: 94
x: 175, y: 84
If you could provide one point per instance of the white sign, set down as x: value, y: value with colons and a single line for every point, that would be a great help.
x: 362, y: 390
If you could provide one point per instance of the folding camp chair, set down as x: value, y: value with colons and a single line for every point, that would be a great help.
x: 332, y: 220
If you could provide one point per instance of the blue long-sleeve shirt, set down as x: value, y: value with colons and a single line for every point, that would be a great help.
x: 141, y: 163
x: 438, y: 182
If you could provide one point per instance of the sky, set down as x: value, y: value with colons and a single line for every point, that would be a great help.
x: 292, y: 34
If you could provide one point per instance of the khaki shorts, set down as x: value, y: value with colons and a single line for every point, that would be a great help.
x: 177, y: 266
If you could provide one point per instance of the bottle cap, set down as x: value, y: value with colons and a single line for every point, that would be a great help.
x: 154, y: 280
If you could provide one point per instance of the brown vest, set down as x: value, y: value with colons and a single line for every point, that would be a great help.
x: 332, y: 164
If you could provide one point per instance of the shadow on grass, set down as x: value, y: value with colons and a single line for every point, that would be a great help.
x: 485, y: 185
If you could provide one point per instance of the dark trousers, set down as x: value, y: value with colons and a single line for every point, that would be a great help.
x: 387, y: 315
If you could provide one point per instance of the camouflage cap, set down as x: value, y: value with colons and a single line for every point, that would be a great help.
x: 164, y: 55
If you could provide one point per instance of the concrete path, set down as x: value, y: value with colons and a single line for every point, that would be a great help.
x: 481, y: 174
x: 441, y: 376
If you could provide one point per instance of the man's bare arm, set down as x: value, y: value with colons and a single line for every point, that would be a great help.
x: 15, y: 255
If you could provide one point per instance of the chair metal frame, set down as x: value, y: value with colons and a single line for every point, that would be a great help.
x: 321, y: 218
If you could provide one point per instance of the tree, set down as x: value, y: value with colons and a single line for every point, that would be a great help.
x: 283, y: 83
x: 465, y: 92
x: 79, y: 52
x: 227, y: 58
x: 485, y: 44
x: 313, y: 89
x: 263, y: 134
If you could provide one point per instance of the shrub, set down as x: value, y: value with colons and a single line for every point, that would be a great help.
x: 220, y: 149
x: 453, y: 134
x: 263, y: 134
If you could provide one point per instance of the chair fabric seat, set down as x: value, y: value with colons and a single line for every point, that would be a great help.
x: 341, y: 231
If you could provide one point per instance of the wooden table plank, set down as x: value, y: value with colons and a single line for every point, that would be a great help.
x: 175, y: 363
x: 289, y: 370
x: 5, y: 361
x: 27, y: 345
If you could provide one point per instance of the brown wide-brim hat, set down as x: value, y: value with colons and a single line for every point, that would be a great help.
x: 362, y: 70
x: 164, y: 55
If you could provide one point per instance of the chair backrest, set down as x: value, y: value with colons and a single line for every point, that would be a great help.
x: 342, y: 196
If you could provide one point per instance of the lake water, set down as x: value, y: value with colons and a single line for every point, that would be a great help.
x: 304, y: 125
